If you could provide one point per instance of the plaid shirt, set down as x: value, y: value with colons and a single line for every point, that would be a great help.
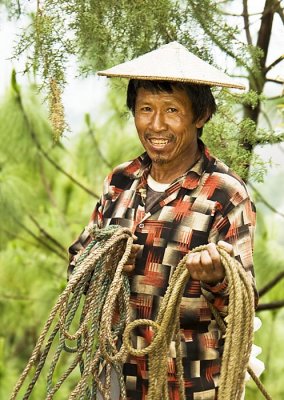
x: 207, y: 204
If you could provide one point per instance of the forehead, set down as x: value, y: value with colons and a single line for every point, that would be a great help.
x: 176, y: 95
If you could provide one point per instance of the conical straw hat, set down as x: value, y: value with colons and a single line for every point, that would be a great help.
x: 172, y: 62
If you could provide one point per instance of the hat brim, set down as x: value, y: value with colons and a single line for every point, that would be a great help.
x: 172, y: 79
x: 172, y: 62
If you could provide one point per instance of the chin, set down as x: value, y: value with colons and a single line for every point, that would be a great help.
x: 160, y: 160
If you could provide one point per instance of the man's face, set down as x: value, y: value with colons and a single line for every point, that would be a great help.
x: 164, y: 125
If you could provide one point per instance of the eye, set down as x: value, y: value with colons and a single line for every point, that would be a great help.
x: 172, y: 110
x: 146, y: 109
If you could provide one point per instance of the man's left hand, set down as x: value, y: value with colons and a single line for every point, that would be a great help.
x: 130, y: 263
x: 206, y: 265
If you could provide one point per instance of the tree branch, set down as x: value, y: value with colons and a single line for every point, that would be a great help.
x: 13, y: 297
x: 280, y: 12
x: 264, y: 33
x: 18, y: 237
x: 46, y: 155
x: 49, y: 192
x: 246, y: 22
x: 266, y: 117
x: 275, y: 62
x: 239, y: 76
x: 104, y: 160
x: 60, y: 169
x: 278, y: 81
x: 264, y: 201
x: 217, y: 41
x: 14, y: 236
x: 46, y: 184
x: 271, y: 284
x: 47, y: 235
x: 270, y: 306
x: 42, y: 242
x: 240, y: 15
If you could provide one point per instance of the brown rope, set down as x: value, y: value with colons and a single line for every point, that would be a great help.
x: 238, y: 332
x: 104, y: 262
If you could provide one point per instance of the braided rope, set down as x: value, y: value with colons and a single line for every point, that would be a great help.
x: 238, y: 332
x: 99, y: 274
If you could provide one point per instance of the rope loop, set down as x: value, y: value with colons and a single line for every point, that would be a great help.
x: 95, y: 306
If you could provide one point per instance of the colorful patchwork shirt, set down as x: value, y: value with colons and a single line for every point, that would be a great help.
x: 207, y: 204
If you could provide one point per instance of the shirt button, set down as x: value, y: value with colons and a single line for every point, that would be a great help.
x: 141, y: 225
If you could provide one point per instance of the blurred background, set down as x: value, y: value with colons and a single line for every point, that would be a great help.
x: 62, y: 129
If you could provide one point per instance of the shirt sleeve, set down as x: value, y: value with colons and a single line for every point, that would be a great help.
x: 85, y: 237
x: 97, y: 219
x: 235, y: 225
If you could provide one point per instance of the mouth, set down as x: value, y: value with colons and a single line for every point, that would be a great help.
x: 158, y: 143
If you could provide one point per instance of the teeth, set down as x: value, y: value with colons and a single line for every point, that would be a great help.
x: 159, y: 141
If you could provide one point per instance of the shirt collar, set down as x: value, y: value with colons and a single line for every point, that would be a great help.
x: 140, y: 167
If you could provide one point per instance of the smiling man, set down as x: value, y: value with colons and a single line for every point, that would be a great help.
x: 174, y: 197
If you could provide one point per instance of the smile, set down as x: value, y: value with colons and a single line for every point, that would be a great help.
x: 159, y: 142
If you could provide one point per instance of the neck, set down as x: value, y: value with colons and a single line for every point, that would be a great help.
x: 168, y: 172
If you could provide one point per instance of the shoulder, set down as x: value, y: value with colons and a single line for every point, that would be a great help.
x: 124, y: 174
x: 121, y: 168
x: 133, y: 167
x: 226, y: 186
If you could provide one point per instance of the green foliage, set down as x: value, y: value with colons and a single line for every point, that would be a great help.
x: 102, y: 33
x: 94, y: 153
x: 231, y: 138
x: 209, y: 14
x: 42, y: 214
x: 26, y: 295
x: 19, y: 154
x: 42, y: 209
x: 269, y: 262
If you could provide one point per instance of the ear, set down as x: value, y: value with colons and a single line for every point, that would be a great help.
x: 201, y: 121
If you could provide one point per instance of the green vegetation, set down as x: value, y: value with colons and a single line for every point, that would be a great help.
x: 49, y: 186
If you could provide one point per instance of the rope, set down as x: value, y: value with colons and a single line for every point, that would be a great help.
x: 98, y: 274
x: 105, y: 320
x: 238, y: 332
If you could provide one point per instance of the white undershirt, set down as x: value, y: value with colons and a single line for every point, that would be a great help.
x: 157, y: 186
x: 154, y: 193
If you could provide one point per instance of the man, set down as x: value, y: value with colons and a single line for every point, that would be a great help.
x: 174, y: 197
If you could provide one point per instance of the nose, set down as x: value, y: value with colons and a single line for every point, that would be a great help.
x: 157, y: 122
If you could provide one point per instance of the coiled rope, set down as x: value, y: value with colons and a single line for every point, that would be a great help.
x: 98, y: 274
x: 105, y: 320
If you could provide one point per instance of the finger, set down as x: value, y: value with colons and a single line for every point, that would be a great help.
x: 134, y: 251
x: 214, y: 254
x: 205, y: 259
x: 130, y: 260
x: 226, y: 246
x: 193, y: 259
x: 128, y: 268
x: 193, y: 265
x: 135, y: 248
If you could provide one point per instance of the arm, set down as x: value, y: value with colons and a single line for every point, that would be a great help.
x: 97, y: 218
x: 84, y: 238
x: 234, y: 226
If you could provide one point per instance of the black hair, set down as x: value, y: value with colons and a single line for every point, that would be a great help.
x: 200, y: 96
